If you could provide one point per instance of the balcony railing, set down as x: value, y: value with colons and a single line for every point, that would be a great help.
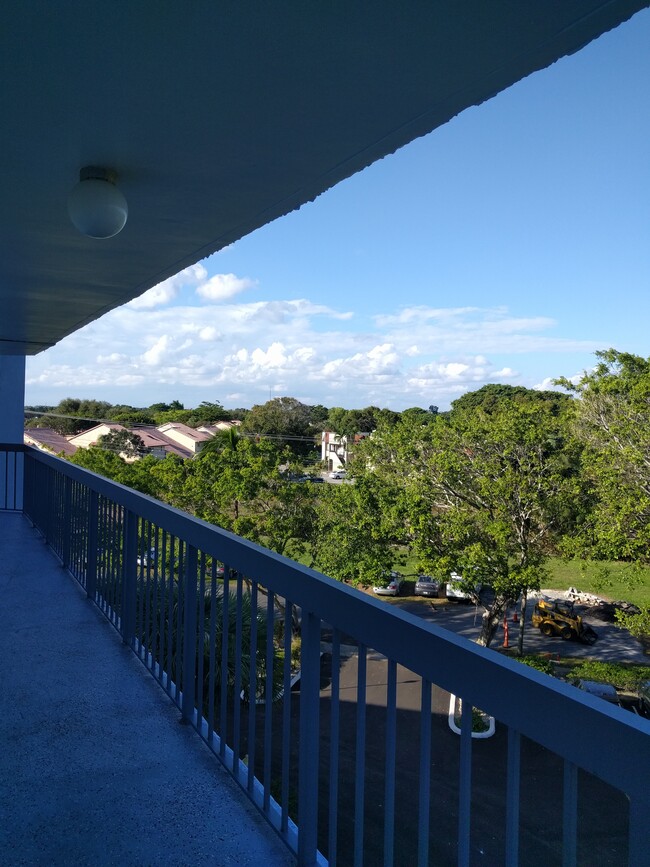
x: 355, y: 764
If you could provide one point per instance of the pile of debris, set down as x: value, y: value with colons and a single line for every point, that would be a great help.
x: 600, y: 608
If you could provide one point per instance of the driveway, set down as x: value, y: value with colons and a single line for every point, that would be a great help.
x: 613, y: 645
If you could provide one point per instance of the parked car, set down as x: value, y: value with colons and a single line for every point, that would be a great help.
x: 600, y: 690
x: 392, y: 587
x: 427, y: 586
x: 454, y: 590
x: 337, y: 474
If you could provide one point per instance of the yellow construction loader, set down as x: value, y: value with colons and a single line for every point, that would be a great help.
x: 557, y: 617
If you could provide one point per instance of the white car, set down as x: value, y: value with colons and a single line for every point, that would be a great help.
x: 337, y: 474
x: 454, y: 589
x: 394, y: 581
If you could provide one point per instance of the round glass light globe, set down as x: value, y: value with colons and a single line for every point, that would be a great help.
x: 97, y: 208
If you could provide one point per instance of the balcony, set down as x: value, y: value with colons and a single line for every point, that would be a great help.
x: 355, y: 764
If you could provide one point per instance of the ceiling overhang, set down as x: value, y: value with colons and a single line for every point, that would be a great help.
x: 220, y: 117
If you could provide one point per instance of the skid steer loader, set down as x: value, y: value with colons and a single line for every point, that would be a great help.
x: 557, y: 617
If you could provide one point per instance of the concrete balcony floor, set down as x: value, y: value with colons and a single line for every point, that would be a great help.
x: 95, y: 766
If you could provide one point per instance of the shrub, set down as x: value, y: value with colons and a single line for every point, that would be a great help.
x: 541, y: 663
x: 620, y: 675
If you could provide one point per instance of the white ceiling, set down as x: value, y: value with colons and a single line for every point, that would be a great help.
x: 221, y: 116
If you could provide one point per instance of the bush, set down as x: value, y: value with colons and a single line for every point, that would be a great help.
x: 620, y: 675
x: 541, y: 663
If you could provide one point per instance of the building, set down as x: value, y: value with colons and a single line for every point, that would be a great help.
x: 210, y: 121
x: 183, y: 435
x: 336, y: 449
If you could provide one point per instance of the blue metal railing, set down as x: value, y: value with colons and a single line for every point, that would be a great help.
x: 357, y: 764
x: 11, y: 477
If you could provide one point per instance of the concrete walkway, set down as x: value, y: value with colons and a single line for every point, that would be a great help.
x: 95, y: 768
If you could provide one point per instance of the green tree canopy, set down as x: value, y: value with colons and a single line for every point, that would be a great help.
x: 481, y: 494
x: 285, y: 419
x: 490, y: 397
x: 612, y: 420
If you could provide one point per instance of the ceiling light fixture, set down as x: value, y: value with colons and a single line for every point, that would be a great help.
x: 96, y: 206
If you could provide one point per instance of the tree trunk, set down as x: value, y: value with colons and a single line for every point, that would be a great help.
x: 492, y: 620
x: 522, y: 622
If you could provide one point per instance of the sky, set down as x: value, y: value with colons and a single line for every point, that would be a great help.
x: 507, y: 246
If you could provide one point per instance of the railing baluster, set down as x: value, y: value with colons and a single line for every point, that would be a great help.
x: 189, y: 634
x: 309, y: 742
x: 156, y: 608
x: 200, y: 639
x: 213, y: 649
x: 224, y: 663
x: 236, y: 740
x: 513, y: 785
x: 334, y: 749
x: 172, y: 592
x: 252, y: 688
x: 360, y: 759
x: 639, y: 850
x: 129, y: 577
x: 91, y: 545
x: 269, y: 697
x: 391, y: 744
x: 66, y: 523
x: 286, y: 714
x: 179, y: 569
x: 465, y: 784
x: 570, y: 815
x: 425, y: 774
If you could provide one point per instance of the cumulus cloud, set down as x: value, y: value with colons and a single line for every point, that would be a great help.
x: 168, y: 290
x: 156, y: 353
x: 249, y: 349
x: 220, y: 287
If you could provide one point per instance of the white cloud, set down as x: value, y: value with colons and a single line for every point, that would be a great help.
x: 168, y: 290
x: 156, y: 353
x: 113, y: 358
x: 414, y: 356
x: 220, y: 287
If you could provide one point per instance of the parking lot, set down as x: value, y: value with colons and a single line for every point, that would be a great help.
x: 613, y: 644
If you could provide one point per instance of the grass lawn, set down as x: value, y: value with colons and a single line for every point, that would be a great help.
x: 610, y: 580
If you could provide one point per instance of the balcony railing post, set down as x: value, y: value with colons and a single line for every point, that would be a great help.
x: 129, y: 577
x: 91, y: 545
x: 309, y: 740
x: 66, y: 528
x: 189, y: 634
x: 639, y: 851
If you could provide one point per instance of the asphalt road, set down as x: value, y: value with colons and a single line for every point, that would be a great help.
x: 613, y: 645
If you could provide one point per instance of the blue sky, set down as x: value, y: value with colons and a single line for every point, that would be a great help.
x: 507, y: 246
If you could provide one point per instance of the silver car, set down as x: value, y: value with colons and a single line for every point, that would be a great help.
x: 427, y: 586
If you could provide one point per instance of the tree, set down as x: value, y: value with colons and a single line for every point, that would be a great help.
x: 492, y: 396
x: 123, y: 442
x: 73, y: 415
x: 138, y: 475
x: 351, y: 541
x: 612, y: 420
x: 224, y: 439
x: 285, y: 419
x: 482, y: 495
